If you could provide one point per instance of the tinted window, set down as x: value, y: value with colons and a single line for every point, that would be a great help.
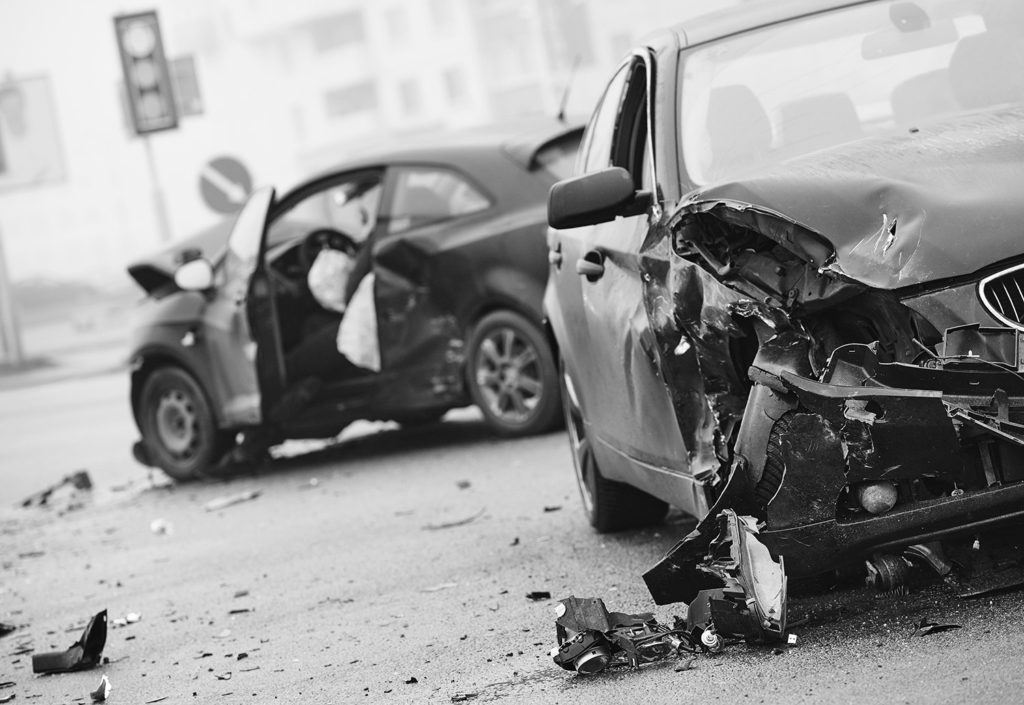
x: 425, y: 195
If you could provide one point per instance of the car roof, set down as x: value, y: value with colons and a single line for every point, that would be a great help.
x: 520, y: 142
x: 749, y: 15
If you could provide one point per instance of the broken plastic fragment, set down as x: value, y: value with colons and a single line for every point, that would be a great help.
x: 222, y: 502
x: 926, y: 627
x: 538, y: 595
x: 161, y: 527
x: 729, y: 580
x: 80, y: 656
x: 591, y: 639
x: 102, y: 691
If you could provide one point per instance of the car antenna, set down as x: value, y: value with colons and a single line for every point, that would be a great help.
x: 568, y: 88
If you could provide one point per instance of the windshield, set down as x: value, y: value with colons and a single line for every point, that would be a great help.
x: 779, y: 92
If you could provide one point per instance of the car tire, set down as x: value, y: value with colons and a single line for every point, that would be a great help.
x: 610, y: 506
x: 512, y: 375
x: 179, y: 432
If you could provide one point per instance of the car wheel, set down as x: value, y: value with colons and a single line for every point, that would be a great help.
x: 512, y: 375
x: 609, y: 505
x: 178, y: 429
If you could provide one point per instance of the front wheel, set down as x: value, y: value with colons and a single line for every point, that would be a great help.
x: 609, y: 505
x: 512, y: 375
x: 179, y: 432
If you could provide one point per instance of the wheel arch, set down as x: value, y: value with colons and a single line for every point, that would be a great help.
x: 146, y: 361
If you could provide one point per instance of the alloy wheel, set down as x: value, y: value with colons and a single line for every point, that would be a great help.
x: 508, y: 375
x: 177, y: 424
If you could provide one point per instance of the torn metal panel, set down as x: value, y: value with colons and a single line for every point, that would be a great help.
x: 729, y: 579
x: 80, y: 656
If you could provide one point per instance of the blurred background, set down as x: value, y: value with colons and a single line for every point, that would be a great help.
x: 264, y: 92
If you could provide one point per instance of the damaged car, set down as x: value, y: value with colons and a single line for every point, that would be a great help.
x: 444, y: 247
x: 787, y: 287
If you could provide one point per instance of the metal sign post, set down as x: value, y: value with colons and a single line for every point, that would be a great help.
x: 159, y: 204
x: 9, y: 314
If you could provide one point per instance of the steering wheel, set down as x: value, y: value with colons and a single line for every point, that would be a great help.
x: 325, y: 237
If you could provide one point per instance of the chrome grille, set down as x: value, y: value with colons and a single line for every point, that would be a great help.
x: 1002, y: 294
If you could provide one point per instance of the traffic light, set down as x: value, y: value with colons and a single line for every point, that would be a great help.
x: 146, y: 78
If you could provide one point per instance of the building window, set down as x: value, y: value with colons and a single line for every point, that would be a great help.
x: 455, y: 86
x: 336, y: 31
x: 355, y: 98
x: 410, y: 97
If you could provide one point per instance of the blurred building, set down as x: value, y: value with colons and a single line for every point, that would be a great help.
x: 286, y: 88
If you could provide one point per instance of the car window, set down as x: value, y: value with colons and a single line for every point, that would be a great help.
x: 596, y: 153
x: 629, y: 148
x: 425, y: 195
x: 779, y: 92
x: 559, y: 157
x: 349, y: 205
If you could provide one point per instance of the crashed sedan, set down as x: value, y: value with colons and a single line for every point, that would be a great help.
x: 788, y: 285
x: 443, y: 245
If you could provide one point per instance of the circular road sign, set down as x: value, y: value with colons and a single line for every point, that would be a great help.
x: 224, y: 184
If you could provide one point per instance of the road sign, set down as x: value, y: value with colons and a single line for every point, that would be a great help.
x: 225, y: 184
x: 146, y: 78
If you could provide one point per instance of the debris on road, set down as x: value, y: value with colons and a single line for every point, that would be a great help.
x: 222, y: 502
x: 538, y: 595
x: 6, y: 628
x: 161, y: 527
x: 130, y: 618
x: 515, y: 541
x: 457, y: 522
x: 411, y: 680
x: 7, y: 698
x: 463, y: 484
x: 102, y: 691
x: 80, y: 656
x: 729, y: 580
x: 553, y: 508
x: 439, y: 587
x: 926, y: 627
x: 591, y: 639
x: 685, y: 665
x: 463, y: 697
x: 78, y: 481
x: 241, y: 593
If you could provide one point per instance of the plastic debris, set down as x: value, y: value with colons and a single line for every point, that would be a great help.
x: 730, y: 581
x: 538, y: 595
x: 78, y: 481
x: 553, y: 508
x: 411, y: 680
x: 80, y: 656
x: 102, y: 691
x: 591, y: 639
x: 161, y: 527
x: 926, y: 627
x: 439, y: 587
x: 7, y: 698
x: 791, y: 639
x: 222, y: 502
x: 457, y: 522
x: 463, y: 697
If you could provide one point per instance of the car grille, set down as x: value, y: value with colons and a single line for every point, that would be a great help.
x: 1002, y: 295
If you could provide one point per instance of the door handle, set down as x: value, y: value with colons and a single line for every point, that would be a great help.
x: 555, y: 255
x: 591, y: 266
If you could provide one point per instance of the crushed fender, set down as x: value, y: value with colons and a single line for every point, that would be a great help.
x: 730, y: 581
x: 80, y: 656
x: 591, y: 639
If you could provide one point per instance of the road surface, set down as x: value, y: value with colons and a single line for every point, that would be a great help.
x: 335, y: 584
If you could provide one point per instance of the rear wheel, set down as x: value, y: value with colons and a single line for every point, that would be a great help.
x: 512, y: 375
x: 610, y: 506
x: 179, y: 432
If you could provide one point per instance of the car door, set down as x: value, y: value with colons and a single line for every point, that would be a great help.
x: 239, y: 297
x: 426, y: 208
x: 611, y: 354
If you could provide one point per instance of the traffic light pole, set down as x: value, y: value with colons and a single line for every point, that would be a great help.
x: 9, y: 314
x: 159, y: 203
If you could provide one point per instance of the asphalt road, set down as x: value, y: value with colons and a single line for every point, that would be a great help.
x: 338, y: 586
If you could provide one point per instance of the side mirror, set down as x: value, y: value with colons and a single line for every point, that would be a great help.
x: 194, y: 275
x: 595, y: 198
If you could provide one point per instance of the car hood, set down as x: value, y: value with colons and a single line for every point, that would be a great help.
x: 155, y: 272
x: 941, y: 201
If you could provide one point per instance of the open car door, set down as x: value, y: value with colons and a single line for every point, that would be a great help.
x: 239, y: 321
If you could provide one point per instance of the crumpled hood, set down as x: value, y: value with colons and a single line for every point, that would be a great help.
x: 906, y: 209
x: 155, y: 272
